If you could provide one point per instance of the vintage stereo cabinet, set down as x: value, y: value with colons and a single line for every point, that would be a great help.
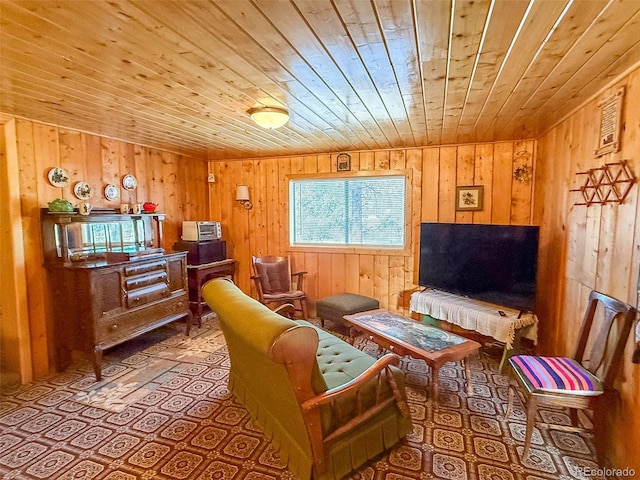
x: 110, y: 281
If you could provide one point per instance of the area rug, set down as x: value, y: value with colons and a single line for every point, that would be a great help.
x: 136, y: 368
x: 187, y: 425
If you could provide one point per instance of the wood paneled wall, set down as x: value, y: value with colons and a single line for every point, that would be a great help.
x: 176, y: 183
x: 391, y: 278
x: 595, y: 247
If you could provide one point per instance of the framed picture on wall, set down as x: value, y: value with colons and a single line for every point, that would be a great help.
x: 610, y: 122
x: 469, y: 198
x: 344, y: 162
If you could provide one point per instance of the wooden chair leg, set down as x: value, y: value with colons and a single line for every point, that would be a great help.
x: 532, y: 407
x: 573, y: 415
x: 599, y: 421
x: 512, y: 395
x: 467, y: 373
x: 303, y: 305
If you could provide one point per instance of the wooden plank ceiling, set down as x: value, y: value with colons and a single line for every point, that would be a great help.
x: 355, y: 74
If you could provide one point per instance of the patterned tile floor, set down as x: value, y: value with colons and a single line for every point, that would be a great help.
x: 178, y: 421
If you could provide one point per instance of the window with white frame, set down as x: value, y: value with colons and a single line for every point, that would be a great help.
x: 354, y: 211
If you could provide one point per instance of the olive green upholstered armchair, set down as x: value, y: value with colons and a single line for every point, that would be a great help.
x: 327, y: 407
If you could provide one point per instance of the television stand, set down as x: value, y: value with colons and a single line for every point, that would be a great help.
x: 503, y: 324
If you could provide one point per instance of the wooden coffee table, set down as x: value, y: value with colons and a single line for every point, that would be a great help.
x: 404, y: 336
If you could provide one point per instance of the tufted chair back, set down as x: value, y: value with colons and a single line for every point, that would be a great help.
x: 276, y: 285
x: 274, y: 273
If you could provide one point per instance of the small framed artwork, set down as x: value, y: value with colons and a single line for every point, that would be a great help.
x: 469, y: 198
x: 344, y: 162
x: 610, y: 123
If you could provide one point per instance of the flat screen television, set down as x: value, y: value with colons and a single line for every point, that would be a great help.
x: 494, y: 263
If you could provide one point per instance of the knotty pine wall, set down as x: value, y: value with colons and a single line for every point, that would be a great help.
x: 176, y: 183
x: 389, y: 277
x: 595, y: 247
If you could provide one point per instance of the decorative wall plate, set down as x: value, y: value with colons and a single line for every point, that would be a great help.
x: 129, y: 182
x: 111, y: 192
x: 82, y: 190
x: 58, y: 177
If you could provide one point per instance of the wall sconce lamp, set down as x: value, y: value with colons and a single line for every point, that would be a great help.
x: 242, y: 196
x: 269, y: 117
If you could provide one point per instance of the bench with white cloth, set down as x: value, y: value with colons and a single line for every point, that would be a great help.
x: 478, y: 316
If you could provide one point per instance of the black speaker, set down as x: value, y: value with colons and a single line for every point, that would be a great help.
x: 202, y: 252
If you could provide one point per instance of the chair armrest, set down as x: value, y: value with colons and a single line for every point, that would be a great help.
x: 258, y: 285
x: 311, y: 407
x: 382, y: 364
x: 286, y: 310
x: 296, y: 283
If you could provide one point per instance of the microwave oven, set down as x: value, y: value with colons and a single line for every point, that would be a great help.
x: 202, y: 252
x: 194, y: 231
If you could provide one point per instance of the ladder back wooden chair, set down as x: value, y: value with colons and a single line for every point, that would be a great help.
x: 276, y: 285
x: 582, y: 382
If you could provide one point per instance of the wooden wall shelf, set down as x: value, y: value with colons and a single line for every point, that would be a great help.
x: 609, y: 183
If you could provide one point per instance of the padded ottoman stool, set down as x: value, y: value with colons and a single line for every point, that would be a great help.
x: 337, y: 306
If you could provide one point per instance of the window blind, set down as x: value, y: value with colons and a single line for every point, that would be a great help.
x: 367, y: 211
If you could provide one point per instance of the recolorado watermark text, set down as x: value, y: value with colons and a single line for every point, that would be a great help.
x: 590, y: 472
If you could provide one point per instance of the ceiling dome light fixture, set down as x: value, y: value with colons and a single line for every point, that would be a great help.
x: 269, y: 117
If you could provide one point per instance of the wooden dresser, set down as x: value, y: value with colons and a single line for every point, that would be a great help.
x: 110, y: 281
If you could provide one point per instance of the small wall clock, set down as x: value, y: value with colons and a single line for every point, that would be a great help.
x: 343, y: 162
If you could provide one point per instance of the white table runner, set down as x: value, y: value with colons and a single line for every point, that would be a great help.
x: 481, y: 317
